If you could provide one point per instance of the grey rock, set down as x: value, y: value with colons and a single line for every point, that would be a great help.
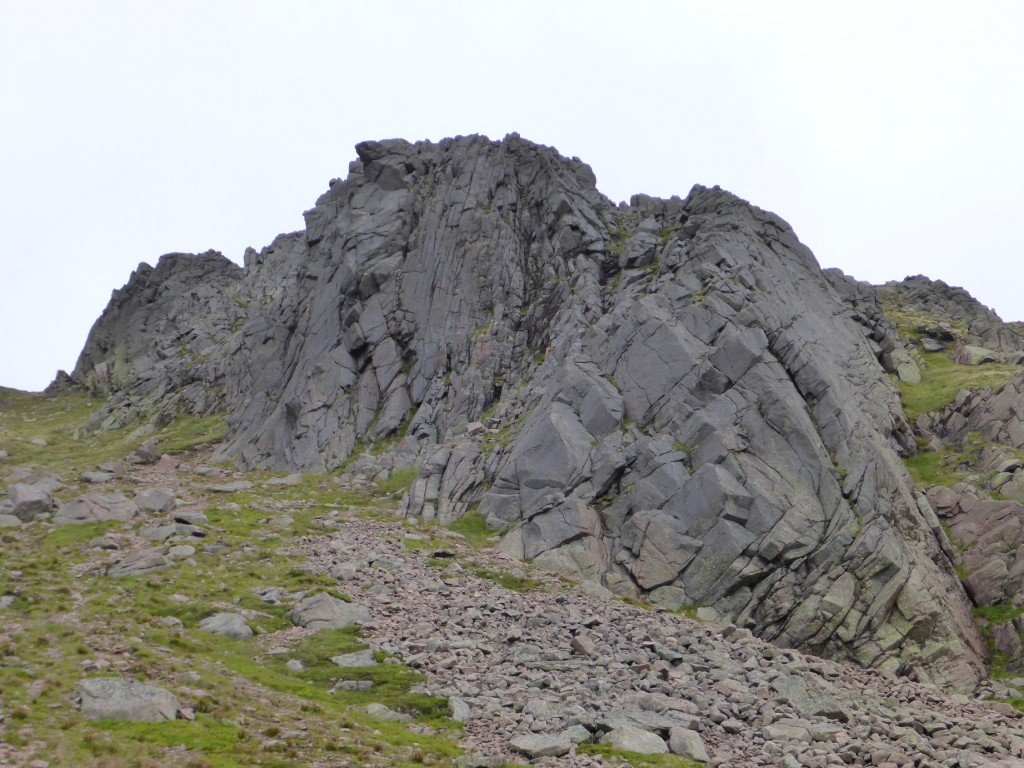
x: 107, y: 698
x: 635, y: 740
x: 97, y: 508
x: 238, y: 485
x: 181, y: 551
x: 28, y: 502
x: 188, y: 517
x: 158, y: 533
x: 226, y: 625
x: 461, y: 711
x: 288, y: 480
x: 357, y: 659
x: 147, y: 453
x: 684, y: 357
x: 687, y: 743
x: 353, y: 685
x: 9, y: 521
x: 98, y: 477
x: 139, y: 563
x: 155, y: 500
x: 295, y: 666
x: 538, y: 745
x: 323, y: 611
x: 970, y: 354
x: 382, y: 712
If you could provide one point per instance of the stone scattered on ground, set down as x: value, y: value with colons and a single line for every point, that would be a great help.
x: 147, y: 453
x: 324, y: 611
x: 652, y: 681
x: 292, y: 479
x: 97, y: 477
x: 226, y: 625
x: 536, y: 745
x: 27, y: 502
x: 97, y: 508
x: 109, y: 698
x: 139, y: 563
x: 688, y: 743
x: 155, y: 500
x: 382, y: 712
x: 357, y: 659
x: 630, y: 739
x: 181, y: 551
x: 238, y: 485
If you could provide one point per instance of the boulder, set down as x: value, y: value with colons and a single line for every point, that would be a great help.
x: 323, y: 611
x: 536, y: 745
x: 97, y: 508
x: 687, y: 743
x: 226, y: 625
x: 155, y: 500
x: 631, y: 739
x: 28, y: 502
x: 357, y: 659
x: 139, y: 563
x: 109, y: 698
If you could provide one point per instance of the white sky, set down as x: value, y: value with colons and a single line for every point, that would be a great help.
x: 889, y: 134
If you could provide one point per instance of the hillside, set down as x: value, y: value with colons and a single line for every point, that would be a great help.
x: 448, y: 653
x: 666, y: 403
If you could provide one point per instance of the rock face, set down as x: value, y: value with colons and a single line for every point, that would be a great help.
x: 668, y: 397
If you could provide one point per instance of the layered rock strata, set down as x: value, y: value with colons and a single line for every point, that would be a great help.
x: 667, y: 396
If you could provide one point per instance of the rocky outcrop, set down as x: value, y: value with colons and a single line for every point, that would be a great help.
x: 989, y: 535
x: 667, y: 397
x: 996, y: 415
x: 157, y: 348
x: 951, y: 314
x: 896, y: 354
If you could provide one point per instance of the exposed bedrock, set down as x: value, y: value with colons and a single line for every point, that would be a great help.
x: 672, y: 398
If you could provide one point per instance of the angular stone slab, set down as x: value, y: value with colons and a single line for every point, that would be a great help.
x: 139, y: 563
x: 111, y: 698
x: 635, y: 740
x: 322, y: 611
x: 97, y: 508
x: 226, y: 625
x: 155, y: 500
x: 28, y: 502
x: 536, y: 745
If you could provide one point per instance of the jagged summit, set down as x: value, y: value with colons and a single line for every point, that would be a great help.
x: 668, y: 397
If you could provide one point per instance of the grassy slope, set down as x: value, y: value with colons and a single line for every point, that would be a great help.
x: 69, y: 622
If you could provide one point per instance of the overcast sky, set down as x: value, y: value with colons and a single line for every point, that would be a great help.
x: 889, y: 134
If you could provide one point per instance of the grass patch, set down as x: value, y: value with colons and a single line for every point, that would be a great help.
x: 473, y: 527
x: 508, y: 580
x: 399, y: 481
x: 942, y: 379
x: 635, y: 758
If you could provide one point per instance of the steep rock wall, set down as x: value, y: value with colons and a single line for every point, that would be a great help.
x: 678, y: 403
